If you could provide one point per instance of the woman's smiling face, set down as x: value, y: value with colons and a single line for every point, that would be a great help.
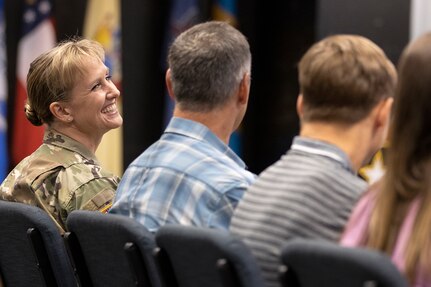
x: 93, y: 101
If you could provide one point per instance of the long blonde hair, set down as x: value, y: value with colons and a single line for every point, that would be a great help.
x: 408, y: 174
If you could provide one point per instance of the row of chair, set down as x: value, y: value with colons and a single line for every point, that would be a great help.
x: 111, y: 250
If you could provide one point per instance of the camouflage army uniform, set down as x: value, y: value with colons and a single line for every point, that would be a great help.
x: 60, y: 176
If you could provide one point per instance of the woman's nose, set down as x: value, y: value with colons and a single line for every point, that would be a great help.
x: 112, y: 90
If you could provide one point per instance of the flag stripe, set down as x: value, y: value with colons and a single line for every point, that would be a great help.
x: 38, y: 37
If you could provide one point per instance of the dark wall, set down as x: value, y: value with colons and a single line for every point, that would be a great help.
x: 279, y: 32
x: 69, y: 17
x: 12, y: 33
x: 386, y: 22
x: 143, y: 25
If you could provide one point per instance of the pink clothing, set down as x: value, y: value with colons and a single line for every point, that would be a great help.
x: 357, y: 226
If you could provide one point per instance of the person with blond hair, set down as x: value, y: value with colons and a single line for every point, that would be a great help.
x: 393, y: 216
x: 346, y: 88
x: 71, y: 93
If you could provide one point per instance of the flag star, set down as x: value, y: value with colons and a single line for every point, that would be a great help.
x: 29, y: 16
x: 375, y: 170
x: 44, y: 7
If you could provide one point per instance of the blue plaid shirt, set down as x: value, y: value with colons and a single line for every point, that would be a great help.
x: 187, y: 177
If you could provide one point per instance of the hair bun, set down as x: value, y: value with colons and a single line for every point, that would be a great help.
x: 31, y: 115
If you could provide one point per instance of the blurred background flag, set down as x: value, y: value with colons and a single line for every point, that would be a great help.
x: 375, y: 169
x: 226, y: 10
x: 37, y: 36
x: 420, y: 21
x: 3, y: 93
x: 182, y: 15
x: 102, y: 23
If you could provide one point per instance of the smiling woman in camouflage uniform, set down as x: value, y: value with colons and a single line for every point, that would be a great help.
x: 70, y: 92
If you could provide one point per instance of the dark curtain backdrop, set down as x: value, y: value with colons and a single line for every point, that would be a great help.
x: 279, y: 33
x: 143, y: 25
x: 386, y: 23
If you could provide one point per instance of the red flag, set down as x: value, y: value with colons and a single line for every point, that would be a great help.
x: 38, y: 36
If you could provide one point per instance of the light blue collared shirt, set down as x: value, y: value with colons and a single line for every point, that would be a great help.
x: 189, y: 176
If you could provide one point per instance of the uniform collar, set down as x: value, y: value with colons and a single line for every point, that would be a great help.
x: 56, y: 138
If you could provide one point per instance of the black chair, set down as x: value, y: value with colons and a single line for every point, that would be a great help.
x: 196, y: 257
x: 309, y: 263
x: 32, y: 252
x: 111, y: 250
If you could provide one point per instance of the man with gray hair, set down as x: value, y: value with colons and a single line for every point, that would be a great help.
x: 190, y: 176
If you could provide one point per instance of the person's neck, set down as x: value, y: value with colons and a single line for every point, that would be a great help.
x: 219, y: 121
x: 91, y: 143
x: 354, y: 139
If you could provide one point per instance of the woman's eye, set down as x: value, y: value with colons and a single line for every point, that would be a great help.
x: 95, y: 86
x: 98, y: 85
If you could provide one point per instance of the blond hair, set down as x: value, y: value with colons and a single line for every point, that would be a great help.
x: 53, y: 74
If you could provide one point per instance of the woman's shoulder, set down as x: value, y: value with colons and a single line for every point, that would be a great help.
x: 357, y: 226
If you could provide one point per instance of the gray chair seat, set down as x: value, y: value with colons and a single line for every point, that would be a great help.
x: 308, y: 263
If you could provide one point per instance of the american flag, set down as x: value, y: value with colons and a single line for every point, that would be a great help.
x: 38, y: 36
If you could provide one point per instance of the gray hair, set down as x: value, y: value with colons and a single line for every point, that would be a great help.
x: 207, y: 63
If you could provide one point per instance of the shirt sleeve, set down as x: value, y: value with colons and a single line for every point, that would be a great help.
x: 97, y: 194
x: 228, y: 202
x: 356, y: 229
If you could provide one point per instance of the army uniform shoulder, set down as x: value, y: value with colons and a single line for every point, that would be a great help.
x: 86, y: 180
x: 86, y: 171
x: 97, y: 199
x: 28, y: 176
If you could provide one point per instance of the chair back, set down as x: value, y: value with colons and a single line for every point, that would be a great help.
x: 111, y: 250
x: 194, y: 257
x: 32, y: 251
x: 309, y: 263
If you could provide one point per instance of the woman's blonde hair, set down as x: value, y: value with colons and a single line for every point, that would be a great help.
x: 53, y: 74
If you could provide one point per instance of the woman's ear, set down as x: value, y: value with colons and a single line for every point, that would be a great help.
x: 60, y: 112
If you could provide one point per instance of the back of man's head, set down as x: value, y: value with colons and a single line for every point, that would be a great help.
x: 207, y: 63
x: 342, y: 78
